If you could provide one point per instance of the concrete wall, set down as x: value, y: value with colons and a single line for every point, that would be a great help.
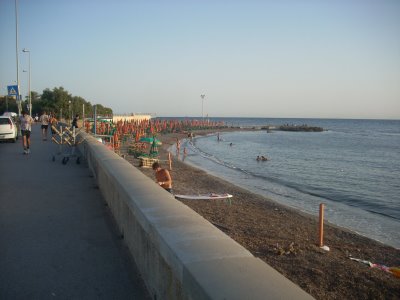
x: 180, y: 254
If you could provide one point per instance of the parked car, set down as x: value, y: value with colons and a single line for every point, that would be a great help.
x: 8, y: 129
x: 10, y: 114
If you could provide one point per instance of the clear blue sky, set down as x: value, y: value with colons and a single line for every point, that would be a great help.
x: 329, y: 59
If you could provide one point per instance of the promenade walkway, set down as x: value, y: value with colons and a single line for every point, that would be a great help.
x: 57, y: 237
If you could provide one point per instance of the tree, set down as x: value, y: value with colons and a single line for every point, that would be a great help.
x: 35, y: 99
x: 57, y: 101
x: 104, y: 111
x: 8, y: 102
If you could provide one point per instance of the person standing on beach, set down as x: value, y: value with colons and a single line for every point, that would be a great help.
x: 44, y: 119
x: 26, y: 128
x: 163, y: 177
x: 184, y: 153
x: 178, y: 146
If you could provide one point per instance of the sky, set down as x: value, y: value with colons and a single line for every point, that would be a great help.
x: 298, y: 58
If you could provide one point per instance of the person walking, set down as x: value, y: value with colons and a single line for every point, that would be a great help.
x: 75, y: 121
x: 44, y: 119
x: 163, y: 177
x: 53, y: 122
x: 26, y: 128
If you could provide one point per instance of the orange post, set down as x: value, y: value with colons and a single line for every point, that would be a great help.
x: 170, y: 161
x: 321, y: 225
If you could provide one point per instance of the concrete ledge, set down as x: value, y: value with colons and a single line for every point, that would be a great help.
x: 180, y: 254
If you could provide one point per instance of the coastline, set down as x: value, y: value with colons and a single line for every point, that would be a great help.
x: 286, y: 238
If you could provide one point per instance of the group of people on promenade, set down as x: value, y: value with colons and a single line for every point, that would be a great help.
x: 25, y: 122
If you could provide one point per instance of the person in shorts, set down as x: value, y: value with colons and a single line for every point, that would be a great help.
x: 53, y: 123
x: 26, y: 128
x: 163, y: 177
x: 44, y: 120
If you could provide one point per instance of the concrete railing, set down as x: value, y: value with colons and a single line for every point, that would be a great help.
x: 180, y: 254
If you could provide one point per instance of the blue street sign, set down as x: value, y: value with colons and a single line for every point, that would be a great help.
x: 13, y: 90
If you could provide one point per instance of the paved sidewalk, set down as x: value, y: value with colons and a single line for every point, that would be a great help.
x: 57, y: 238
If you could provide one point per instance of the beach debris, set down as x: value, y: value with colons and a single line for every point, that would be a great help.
x: 209, y: 196
x: 280, y: 250
x: 362, y: 261
x: 393, y: 270
x: 291, y: 249
x: 326, y: 248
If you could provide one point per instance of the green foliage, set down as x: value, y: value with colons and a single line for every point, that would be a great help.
x: 104, y: 111
x: 8, y: 101
x: 57, y: 101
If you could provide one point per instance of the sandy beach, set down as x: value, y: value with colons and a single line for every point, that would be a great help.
x: 285, y: 238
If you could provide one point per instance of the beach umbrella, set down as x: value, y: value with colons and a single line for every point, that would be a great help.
x: 153, y: 149
x: 150, y: 140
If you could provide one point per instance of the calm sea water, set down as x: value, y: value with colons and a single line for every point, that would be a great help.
x: 353, y: 167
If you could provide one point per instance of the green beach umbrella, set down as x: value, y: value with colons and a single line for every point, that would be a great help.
x: 150, y: 140
x: 153, y: 149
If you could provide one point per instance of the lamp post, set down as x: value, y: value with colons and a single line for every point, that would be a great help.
x: 70, y: 112
x: 25, y: 71
x: 29, y: 83
x: 16, y: 52
x: 202, y: 107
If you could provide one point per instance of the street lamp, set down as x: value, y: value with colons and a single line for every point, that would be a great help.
x: 25, y: 71
x: 70, y: 112
x: 202, y: 106
x: 16, y: 52
x: 29, y: 84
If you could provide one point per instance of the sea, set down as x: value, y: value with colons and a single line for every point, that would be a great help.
x: 353, y: 167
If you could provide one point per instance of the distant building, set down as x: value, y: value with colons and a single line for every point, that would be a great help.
x: 131, y: 117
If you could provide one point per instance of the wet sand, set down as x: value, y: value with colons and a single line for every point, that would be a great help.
x: 285, y: 238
